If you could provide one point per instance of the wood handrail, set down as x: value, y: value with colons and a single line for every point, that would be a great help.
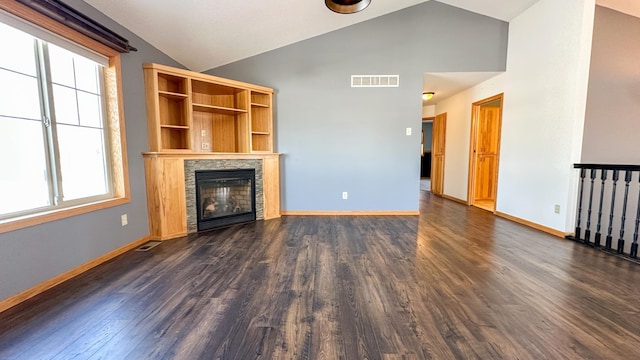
x: 608, y: 166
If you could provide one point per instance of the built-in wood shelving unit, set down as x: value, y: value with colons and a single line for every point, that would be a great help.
x: 196, y: 116
x: 189, y: 111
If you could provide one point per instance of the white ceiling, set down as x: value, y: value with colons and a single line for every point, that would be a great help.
x: 446, y: 84
x: 205, y: 34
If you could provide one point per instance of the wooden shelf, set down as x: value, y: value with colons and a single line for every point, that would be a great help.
x: 206, y: 114
x: 175, y: 127
x: 172, y: 95
x: 217, y: 109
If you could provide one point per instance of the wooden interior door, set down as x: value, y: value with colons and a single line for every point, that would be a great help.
x: 487, y: 152
x: 485, y: 170
x: 438, y: 153
x: 437, y: 174
x: 488, y: 130
x: 486, y: 147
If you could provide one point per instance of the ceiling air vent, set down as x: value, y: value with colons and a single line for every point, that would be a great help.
x: 375, y: 80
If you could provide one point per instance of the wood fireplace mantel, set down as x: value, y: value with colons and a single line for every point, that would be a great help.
x: 166, y: 197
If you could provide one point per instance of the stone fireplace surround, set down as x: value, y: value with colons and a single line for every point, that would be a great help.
x: 190, y: 168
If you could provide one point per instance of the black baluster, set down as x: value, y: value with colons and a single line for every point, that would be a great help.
x: 613, y: 203
x: 634, y: 245
x: 583, y: 173
x: 587, y: 233
x: 627, y: 179
x: 603, y: 177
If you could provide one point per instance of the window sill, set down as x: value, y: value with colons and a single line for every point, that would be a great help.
x: 48, y: 216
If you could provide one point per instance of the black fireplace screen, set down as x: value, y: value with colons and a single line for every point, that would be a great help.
x: 225, y: 197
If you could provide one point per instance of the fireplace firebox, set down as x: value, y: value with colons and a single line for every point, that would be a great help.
x: 225, y: 197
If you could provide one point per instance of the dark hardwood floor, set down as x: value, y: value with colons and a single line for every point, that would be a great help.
x: 454, y: 283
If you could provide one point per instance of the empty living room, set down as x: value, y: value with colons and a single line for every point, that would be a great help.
x: 241, y: 180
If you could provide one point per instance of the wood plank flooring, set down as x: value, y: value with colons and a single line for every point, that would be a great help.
x: 454, y: 283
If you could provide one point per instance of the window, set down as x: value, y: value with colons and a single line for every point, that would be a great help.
x: 61, y: 135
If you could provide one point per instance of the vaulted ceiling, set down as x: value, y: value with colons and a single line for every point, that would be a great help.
x: 206, y: 34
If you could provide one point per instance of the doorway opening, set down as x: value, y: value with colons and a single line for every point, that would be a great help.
x: 425, y: 152
x: 484, y: 157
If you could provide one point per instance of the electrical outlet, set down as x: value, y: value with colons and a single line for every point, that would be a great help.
x: 205, y: 146
x: 124, y: 220
x: 345, y: 195
x: 408, y: 131
x: 556, y: 209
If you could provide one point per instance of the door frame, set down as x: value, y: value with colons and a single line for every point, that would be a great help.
x: 475, y: 117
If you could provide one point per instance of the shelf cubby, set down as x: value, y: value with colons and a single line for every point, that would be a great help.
x: 212, y: 94
x: 260, y: 120
x: 175, y: 138
x: 169, y: 83
x: 260, y: 142
x: 173, y: 110
x: 260, y: 99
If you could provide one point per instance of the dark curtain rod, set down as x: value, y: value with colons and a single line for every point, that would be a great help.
x: 72, y: 18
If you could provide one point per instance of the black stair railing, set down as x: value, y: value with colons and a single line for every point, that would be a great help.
x: 609, y: 238
x: 596, y: 241
x: 606, y: 194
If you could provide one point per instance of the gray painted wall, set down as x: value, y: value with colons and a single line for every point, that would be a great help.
x: 427, y: 128
x: 612, y: 121
x: 32, y: 255
x: 335, y: 138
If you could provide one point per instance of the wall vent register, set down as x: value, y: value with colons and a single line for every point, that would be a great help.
x: 375, y: 81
